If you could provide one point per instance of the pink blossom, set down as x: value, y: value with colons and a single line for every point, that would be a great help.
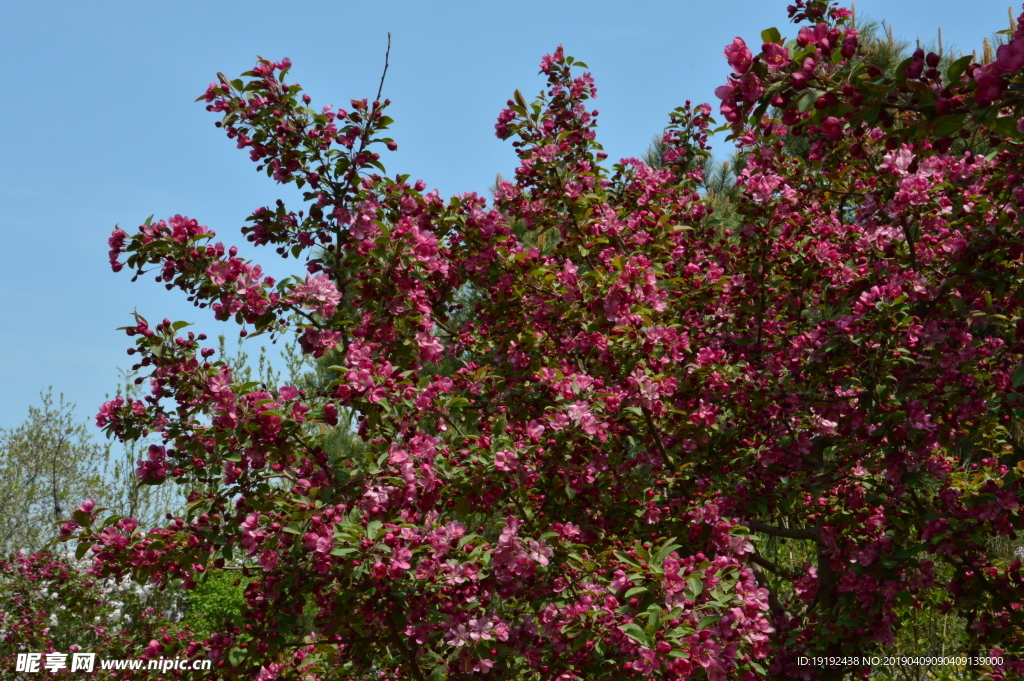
x: 647, y: 663
x: 775, y: 56
x: 483, y: 666
x: 705, y: 413
x: 430, y: 348
x: 738, y: 55
x: 506, y: 461
x: 402, y: 558
x: 550, y: 60
x: 832, y: 127
x: 818, y: 35
x: 990, y: 84
x: 539, y: 551
x: 458, y: 636
x: 317, y: 293
x: 1010, y: 57
x: 270, y: 672
x: 750, y: 86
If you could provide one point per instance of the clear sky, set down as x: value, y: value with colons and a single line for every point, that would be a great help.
x: 99, y: 126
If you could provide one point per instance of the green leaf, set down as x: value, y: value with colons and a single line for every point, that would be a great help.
x: 957, y: 69
x: 808, y: 100
x: 708, y: 621
x: 653, y: 619
x: 112, y: 520
x: 696, y: 586
x: 372, y: 528
x: 83, y: 546
x: 1018, y: 376
x: 900, y: 78
x: 771, y: 35
x: 666, y: 549
x: 1004, y: 125
x: 636, y: 590
x: 499, y: 426
x: 637, y: 634
x: 623, y: 558
x: 236, y: 656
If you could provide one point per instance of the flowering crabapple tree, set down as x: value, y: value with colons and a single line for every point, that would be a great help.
x: 637, y: 413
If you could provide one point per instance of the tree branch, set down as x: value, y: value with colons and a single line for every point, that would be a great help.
x: 386, y: 55
x: 773, y: 601
x: 657, y: 438
x: 790, y: 533
x: 771, y: 567
x: 406, y: 652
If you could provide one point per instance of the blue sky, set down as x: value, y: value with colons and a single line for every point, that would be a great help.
x: 99, y: 127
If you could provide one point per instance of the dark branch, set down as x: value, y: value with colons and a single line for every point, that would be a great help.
x: 657, y: 438
x: 410, y: 657
x: 789, y: 533
x: 772, y: 567
x: 773, y: 601
x: 386, y: 55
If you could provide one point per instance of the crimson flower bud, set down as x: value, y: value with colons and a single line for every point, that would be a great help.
x: 914, y: 69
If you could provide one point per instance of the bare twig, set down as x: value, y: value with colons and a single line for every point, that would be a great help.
x: 386, y: 55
